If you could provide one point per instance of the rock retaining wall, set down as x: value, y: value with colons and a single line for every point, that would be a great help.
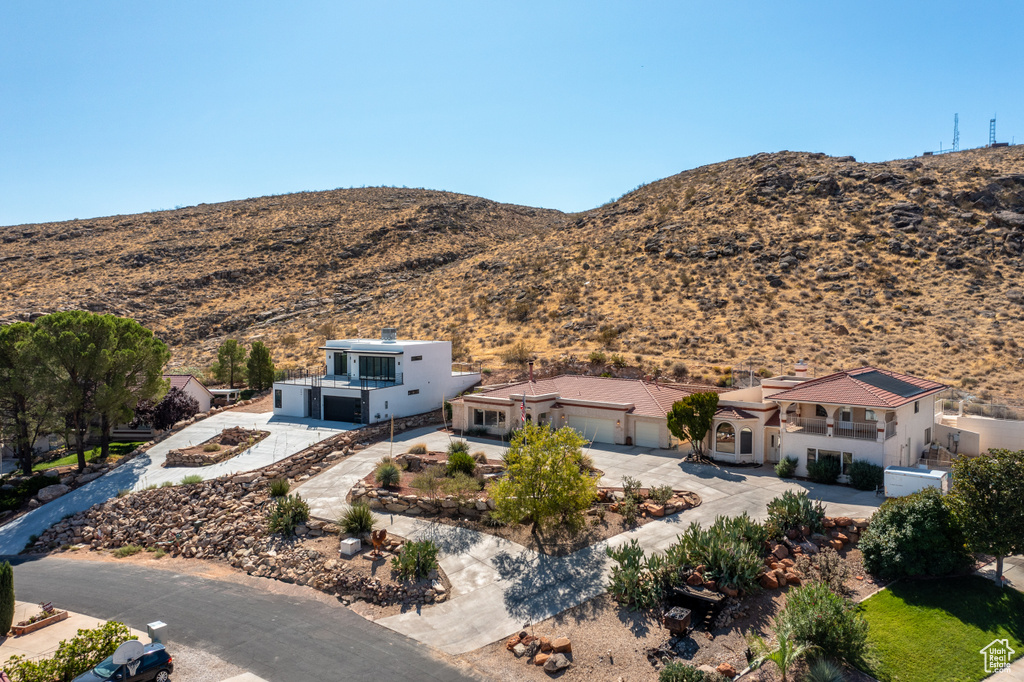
x: 183, y: 458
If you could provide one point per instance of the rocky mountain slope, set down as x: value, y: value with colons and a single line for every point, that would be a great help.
x: 914, y: 265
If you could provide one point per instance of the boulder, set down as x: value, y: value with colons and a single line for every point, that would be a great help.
x: 561, y: 645
x: 545, y: 644
x: 695, y: 579
x: 768, y: 581
x: 556, y: 663
x: 52, y: 492
x: 541, y: 659
x: 781, y: 552
x: 727, y: 670
x: 792, y: 578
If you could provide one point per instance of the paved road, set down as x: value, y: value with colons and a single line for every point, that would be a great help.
x: 281, y: 638
x: 287, y: 436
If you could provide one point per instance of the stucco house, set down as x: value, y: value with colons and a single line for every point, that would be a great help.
x: 192, y: 387
x: 366, y: 381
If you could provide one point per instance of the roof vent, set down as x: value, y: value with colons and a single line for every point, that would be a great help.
x: 389, y: 334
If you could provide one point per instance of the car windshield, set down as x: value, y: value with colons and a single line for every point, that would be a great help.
x: 106, y: 668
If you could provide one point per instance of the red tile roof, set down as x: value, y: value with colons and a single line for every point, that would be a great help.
x: 182, y: 380
x: 863, y: 387
x: 729, y: 412
x: 648, y: 398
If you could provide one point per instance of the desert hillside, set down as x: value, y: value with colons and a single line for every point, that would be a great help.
x: 914, y: 265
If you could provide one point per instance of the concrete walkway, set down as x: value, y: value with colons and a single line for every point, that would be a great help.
x: 42, y: 643
x: 499, y: 586
x: 287, y: 436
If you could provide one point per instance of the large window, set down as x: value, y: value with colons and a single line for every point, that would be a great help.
x: 845, y: 458
x: 277, y: 397
x: 725, y: 438
x: 376, y: 368
x: 746, y: 441
x: 486, y: 418
x: 820, y: 411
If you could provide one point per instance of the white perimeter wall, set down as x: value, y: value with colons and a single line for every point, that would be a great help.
x: 293, y: 400
x: 991, y: 433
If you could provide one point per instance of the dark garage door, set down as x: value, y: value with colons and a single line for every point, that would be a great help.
x: 338, y: 409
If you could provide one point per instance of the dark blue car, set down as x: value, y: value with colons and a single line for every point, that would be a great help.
x: 155, y: 664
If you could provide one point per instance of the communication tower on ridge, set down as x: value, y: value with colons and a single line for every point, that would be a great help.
x: 956, y: 132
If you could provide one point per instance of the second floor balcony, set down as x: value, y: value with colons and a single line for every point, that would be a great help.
x: 818, y: 426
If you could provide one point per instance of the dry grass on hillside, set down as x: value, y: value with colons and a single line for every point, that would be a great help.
x: 913, y: 265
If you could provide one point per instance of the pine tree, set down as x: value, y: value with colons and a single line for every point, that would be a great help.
x: 260, y: 367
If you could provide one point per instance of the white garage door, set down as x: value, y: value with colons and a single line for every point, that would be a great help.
x: 648, y: 434
x: 596, y: 430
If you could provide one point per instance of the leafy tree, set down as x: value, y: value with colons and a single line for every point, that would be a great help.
x: 6, y: 597
x: 987, y: 499
x: 691, y: 418
x: 74, y: 349
x: 27, y: 401
x: 230, y: 365
x: 171, y: 409
x: 545, y: 481
x: 134, y: 372
x: 260, y: 367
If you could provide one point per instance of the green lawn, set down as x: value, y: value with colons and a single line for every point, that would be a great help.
x: 928, y: 630
x: 116, y: 450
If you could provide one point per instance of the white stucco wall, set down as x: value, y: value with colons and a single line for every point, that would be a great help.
x: 293, y: 400
x: 991, y: 433
x: 202, y: 396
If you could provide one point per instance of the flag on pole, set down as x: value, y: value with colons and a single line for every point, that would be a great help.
x: 523, y: 410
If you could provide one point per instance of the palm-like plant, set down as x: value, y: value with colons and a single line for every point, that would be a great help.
x: 784, y: 653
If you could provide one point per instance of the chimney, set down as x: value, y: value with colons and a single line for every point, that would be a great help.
x: 800, y: 369
x: 531, y: 371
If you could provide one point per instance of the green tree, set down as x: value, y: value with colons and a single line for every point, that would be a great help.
x: 691, y: 419
x: 230, y: 365
x: 27, y: 399
x: 74, y: 349
x: 987, y: 499
x: 6, y: 597
x: 784, y: 653
x: 546, y: 480
x: 260, y: 367
x: 134, y: 373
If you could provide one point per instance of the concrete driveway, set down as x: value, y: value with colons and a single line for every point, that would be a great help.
x: 498, y: 585
x: 287, y: 436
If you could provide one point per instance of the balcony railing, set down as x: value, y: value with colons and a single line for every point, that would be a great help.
x: 813, y: 425
x: 860, y: 430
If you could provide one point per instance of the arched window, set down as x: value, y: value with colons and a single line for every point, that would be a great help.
x: 725, y: 438
x: 820, y: 411
x: 746, y: 441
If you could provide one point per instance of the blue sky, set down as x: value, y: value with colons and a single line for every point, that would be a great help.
x: 123, y: 107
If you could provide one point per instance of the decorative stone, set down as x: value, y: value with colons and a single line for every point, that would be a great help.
x: 556, y: 663
x: 727, y: 669
x: 52, y: 492
x: 561, y: 645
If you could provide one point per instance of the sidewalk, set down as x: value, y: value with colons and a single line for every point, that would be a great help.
x: 499, y: 586
x: 285, y: 439
x: 42, y: 643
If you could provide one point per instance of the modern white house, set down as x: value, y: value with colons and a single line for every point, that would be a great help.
x: 366, y: 381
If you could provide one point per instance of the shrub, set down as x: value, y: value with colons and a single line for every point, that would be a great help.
x: 415, y: 559
x: 191, y: 479
x: 429, y: 482
x: 865, y: 475
x: 823, y: 670
x: 786, y: 467
x: 793, y: 510
x: 6, y: 597
x: 824, y: 469
x: 461, y: 487
x: 167, y: 484
x: 247, y: 393
x: 387, y: 474
x: 124, y: 492
x: 128, y: 550
x: 629, y: 511
x: 816, y: 615
x: 457, y: 446
x: 290, y: 512
x: 279, y: 487
x: 211, y: 447
x: 828, y: 567
x: 729, y: 555
x: 73, y: 657
x: 460, y: 461
x: 480, y: 457
x: 660, y: 494
x: 914, y: 535
x: 597, y: 358
x: 631, y: 581
x: 357, y: 519
x: 677, y: 671
x: 631, y: 487
x: 418, y: 449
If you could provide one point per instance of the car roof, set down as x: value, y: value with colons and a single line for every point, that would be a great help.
x: 154, y: 646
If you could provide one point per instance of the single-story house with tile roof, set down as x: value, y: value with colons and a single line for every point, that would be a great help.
x: 193, y: 387
x: 604, y: 410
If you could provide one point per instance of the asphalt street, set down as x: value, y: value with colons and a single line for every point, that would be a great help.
x: 281, y: 638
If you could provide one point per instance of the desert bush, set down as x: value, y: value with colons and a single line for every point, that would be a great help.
x: 128, y: 550
x: 631, y: 581
x: 460, y: 461
x: 828, y: 567
x: 357, y: 519
x: 457, y: 446
x: 387, y: 474
x: 191, y: 479
x: 786, y: 467
x: 660, y: 494
x: 480, y: 457
x: 418, y: 449
x: 793, y: 510
x: 415, y: 560
x: 597, y: 358
x: 629, y: 511
x: 815, y: 615
x: 914, y: 535
x: 516, y: 354
x: 865, y: 475
x: 824, y: 469
x: 279, y: 487
x: 729, y: 555
x: 429, y: 482
x: 461, y: 486
x: 631, y: 487
x: 677, y: 671
x: 211, y: 447
x: 291, y: 511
